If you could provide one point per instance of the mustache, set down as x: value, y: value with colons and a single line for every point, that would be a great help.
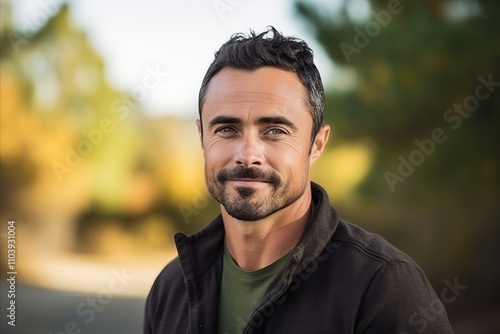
x: 241, y: 172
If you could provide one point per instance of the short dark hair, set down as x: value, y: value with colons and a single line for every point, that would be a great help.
x: 251, y: 52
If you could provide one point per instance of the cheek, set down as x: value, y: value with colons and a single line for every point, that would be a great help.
x: 216, y: 154
x: 289, y: 159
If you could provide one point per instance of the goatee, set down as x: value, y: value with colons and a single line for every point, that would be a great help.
x: 247, y: 205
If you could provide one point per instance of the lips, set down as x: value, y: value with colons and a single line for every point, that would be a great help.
x: 249, y: 180
x: 248, y: 183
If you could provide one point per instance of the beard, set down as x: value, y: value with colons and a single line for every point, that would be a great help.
x: 250, y: 203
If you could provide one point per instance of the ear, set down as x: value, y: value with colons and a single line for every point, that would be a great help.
x: 319, y: 143
x: 200, y: 131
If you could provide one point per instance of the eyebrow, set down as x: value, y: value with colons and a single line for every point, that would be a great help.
x: 224, y: 120
x: 277, y: 120
x: 262, y: 120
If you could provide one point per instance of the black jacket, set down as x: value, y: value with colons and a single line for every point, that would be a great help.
x: 339, y: 279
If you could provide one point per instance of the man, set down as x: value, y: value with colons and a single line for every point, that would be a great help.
x: 279, y: 259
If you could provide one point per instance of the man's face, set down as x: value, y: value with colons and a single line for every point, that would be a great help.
x: 256, y: 141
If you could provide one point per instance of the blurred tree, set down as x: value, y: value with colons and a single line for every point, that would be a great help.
x: 67, y: 140
x: 81, y: 164
x: 404, y: 70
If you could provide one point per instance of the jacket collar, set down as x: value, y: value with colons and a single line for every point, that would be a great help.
x: 198, y: 252
x: 324, y: 223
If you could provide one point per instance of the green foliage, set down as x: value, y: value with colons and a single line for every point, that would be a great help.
x: 423, y: 60
x: 417, y: 67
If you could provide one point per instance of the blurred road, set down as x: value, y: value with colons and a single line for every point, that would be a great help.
x: 46, y: 311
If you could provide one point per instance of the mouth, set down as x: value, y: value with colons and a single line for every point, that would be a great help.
x: 248, y: 181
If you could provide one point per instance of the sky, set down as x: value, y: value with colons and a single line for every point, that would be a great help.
x: 174, y: 37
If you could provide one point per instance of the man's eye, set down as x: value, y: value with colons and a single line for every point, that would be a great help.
x: 276, y: 132
x: 225, y: 129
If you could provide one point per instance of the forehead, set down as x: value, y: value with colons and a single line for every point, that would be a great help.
x: 265, y: 89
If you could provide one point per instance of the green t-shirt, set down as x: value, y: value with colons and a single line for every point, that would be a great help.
x: 241, y: 292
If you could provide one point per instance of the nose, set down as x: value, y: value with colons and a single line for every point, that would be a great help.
x: 249, y: 152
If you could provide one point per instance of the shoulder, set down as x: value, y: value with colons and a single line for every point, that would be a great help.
x: 167, y: 289
x: 369, y: 261
x: 169, y: 279
x: 395, y: 289
x: 367, y: 245
x: 166, y: 304
x: 373, y: 263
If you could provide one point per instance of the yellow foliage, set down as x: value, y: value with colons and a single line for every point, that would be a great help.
x: 342, y: 168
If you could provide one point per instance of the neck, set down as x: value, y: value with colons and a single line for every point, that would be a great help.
x: 257, y: 244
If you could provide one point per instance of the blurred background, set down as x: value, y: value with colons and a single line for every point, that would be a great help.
x: 101, y: 164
